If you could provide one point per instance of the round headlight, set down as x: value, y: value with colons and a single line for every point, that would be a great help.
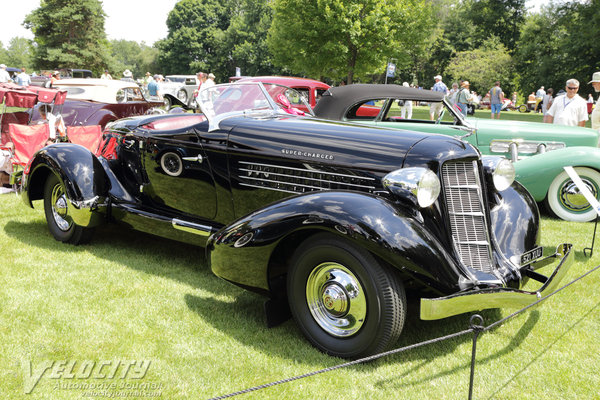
x: 504, y: 175
x: 420, y: 185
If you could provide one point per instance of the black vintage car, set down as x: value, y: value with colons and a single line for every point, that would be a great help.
x: 336, y: 220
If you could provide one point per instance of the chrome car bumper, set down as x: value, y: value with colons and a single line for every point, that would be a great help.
x: 475, y: 300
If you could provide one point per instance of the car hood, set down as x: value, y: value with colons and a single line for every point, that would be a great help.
x: 488, y: 130
x: 355, y: 146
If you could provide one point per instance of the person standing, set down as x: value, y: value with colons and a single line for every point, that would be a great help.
x: 4, y: 75
x: 154, y: 88
x: 23, y: 78
x: 105, y: 75
x: 496, y: 100
x: 406, y: 109
x: 596, y: 111
x: 435, y: 109
x: 569, y: 109
x: 539, y: 97
x: 127, y: 76
x: 55, y: 77
x: 547, y: 102
x: 463, y: 97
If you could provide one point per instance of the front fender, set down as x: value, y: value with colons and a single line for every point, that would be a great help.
x: 537, y: 172
x: 242, y: 251
x: 85, y: 181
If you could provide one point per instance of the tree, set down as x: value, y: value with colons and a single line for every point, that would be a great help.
x: 484, y: 66
x: 500, y: 18
x: 19, y: 53
x: 69, y: 34
x: 338, y: 38
x: 244, y: 43
x: 138, y: 58
x: 558, y: 44
x: 196, y: 28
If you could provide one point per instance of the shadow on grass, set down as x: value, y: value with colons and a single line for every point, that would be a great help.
x: 431, y: 352
x: 186, y: 264
x: 541, y: 353
x: 136, y: 250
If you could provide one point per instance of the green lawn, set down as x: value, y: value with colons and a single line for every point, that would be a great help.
x: 129, y: 296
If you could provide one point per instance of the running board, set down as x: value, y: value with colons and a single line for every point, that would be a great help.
x: 163, y: 225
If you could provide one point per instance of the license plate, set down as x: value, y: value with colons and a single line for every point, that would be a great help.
x: 531, y: 255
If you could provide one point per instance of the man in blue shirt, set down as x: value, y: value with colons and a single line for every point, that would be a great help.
x: 153, y: 88
x: 23, y: 78
x: 435, y: 109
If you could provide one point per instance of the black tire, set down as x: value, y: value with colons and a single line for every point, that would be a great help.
x: 345, y: 323
x: 168, y: 102
x: 523, y: 108
x: 56, y: 208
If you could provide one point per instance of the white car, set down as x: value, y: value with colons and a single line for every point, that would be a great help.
x: 101, y: 90
x: 179, y: 90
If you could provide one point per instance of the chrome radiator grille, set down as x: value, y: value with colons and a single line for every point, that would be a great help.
x: 299, y: 180
x: 463, y: 195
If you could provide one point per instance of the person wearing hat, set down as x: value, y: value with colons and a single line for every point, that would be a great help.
x: 569, y: 109
x: 4, y: 75
x: 463, y: 97
x: 127, y: 76
x: 435, y: 109
x: 596, y: 112
x: 55, y: 77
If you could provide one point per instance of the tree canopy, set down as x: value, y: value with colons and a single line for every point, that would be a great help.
x: 344, y: 38
x: 69, y: 34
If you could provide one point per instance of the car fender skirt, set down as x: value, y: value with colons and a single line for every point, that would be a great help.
x: 241, y: 252
x: 475, y: 300
x: 82, y: 175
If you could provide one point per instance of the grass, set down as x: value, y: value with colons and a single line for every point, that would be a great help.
x: 131, y: 296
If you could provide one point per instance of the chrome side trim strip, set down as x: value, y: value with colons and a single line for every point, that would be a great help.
x: 186, y: 226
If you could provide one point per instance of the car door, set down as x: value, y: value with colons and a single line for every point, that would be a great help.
x: 179, y: 174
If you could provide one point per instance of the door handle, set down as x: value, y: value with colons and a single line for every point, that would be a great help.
x: 198, y: 158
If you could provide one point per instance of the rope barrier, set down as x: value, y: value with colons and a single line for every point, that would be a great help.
x: 476, y: 327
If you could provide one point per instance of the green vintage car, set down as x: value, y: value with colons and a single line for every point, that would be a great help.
x: 539, y: 151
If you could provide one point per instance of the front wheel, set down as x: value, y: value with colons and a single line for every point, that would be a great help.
x: 182, y: 96
x: 56, y: 208
x: 566, y: 201
x: 523, y: 108
x: 344, y: 301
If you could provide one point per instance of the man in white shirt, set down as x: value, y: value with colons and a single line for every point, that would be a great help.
x: 596, y: 113
x: 570, y: 109
x: 4, y: 75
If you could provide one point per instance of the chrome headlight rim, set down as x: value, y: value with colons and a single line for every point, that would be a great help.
x: 421, y: 185
x: 502, y: 171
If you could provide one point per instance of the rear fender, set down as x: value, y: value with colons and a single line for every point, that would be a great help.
x: 83, y: 176
x: 255, y: 249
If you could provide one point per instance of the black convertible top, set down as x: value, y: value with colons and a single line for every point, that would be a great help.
x: 336, y: 100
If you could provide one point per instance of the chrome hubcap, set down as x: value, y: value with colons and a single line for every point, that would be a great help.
x: 336, y: 299
x: 573, y: 199
x: 60, y: 209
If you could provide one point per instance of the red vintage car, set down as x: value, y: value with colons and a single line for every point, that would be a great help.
x: 311, y: 89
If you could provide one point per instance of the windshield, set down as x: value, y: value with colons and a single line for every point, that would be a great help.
x: 253, y: 99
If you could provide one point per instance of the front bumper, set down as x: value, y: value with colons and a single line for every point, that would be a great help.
x: 474, y: 300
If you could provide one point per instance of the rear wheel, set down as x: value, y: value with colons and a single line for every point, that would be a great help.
x: 566, y: 201
x: 56, y: 208
x: 344, y: 301
x: 523, y: 108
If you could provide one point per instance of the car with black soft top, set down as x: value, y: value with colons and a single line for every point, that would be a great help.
x: 334, y: 222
